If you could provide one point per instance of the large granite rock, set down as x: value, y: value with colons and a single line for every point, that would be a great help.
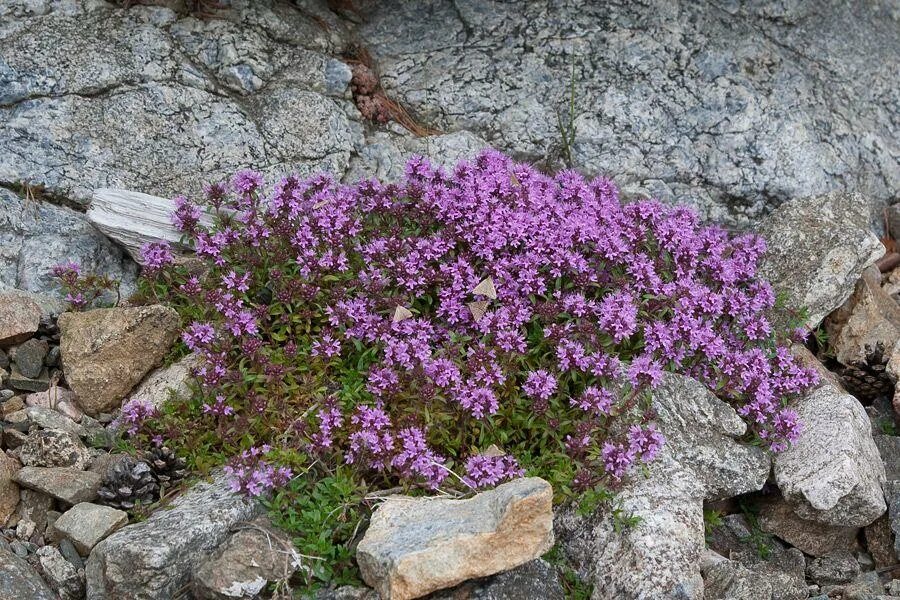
x: 733, y: 106
x: 19, y: 315
x: 106, y: 352
x: 701, y: 433
x: 36, y: 235
x: 255, y: 555
x: 701, y: 459
x: 415, y: 546
x: 153, y: 559
x: 18, y: 580
x: 817, y: 248
x: 667, y: 541
x: 193, y: 99
x: 833, y: 474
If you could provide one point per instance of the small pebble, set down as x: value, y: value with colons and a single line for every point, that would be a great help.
x: 19, y: 549
x: 6, y: 395
x: 52, y: 359
x: 67, y: 549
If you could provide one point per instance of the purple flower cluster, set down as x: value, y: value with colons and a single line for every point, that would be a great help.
x: 251, y: 474
x: 134, y: 414
x: 458, y: 293
x: 483, y: 471
x: 156, y: 256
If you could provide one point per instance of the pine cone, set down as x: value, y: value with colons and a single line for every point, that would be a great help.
x: 168, y: 468
x: 868, y: 380
x: 129, y: 482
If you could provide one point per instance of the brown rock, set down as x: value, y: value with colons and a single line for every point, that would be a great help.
x: 880, y: 542
x: 817, y: 539
x: 19, y: 318
x: 868, y: 320
x: 9, y: 491
x: 106, y: 352
x: 12, y: 405
x: 415, y: 546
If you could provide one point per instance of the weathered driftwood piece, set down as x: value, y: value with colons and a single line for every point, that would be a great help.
x: 132, y: 219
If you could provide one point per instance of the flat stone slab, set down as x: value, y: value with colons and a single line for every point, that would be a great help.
x: 69, y: 485
x: 415, y: 546
x: 85, y: 524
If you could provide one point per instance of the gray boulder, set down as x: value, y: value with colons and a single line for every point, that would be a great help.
x: 250, y: 559
x: 153, y: 559
x: 701, y: 460
x: 69, y: 485
x: 817, y: 249
x: 833, y: 474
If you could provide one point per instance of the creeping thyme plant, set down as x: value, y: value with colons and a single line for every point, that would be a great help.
x: 452, y: 331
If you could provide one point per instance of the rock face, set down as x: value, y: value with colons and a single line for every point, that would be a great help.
x: 701, y: 459
x: 174, y: 379
x: 85, y: 524
x: 752, y: 86
x: 69, y: 485
x: 19, y: 315
x: 245, y: 564
x: 416, y: 546
x: 18, y: 580
x: 194, y: 98
x: 36, y: 235
x: 106, y: 352
x: 817, y: 249
x: 833, y: 474
x: 153, y: 559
